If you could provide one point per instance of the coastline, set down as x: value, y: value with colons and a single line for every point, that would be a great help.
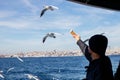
x: 53, y: 53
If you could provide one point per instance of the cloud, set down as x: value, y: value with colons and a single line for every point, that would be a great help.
x: 13, y: 24
x: 59, y: 22
x: 89, y: 9
x: 5, y: 13
x: 112, y: 32
x: 52, y: 2
x: 35, y: 22
x: 23, y: 42
x: 93, y: 10
x: 25, y: 30
x: 32, y: 7
x: 17, y: 44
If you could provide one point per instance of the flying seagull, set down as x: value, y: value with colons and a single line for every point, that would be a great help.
x: 52, y: 35
x: 19, y: 59
x: 30, y: 76
x: 1, y: 74
x: 50, y: 7
x: 10, y: 69
x: 86, y: 40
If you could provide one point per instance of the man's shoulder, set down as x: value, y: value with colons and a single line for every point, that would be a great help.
x: 106, y: 61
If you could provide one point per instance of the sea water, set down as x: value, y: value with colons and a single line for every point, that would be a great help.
x: 48, y: 68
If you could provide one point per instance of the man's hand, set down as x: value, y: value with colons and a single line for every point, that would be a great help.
x: 77, y: 37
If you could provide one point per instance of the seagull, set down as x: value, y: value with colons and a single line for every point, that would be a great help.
x: 10, y: 69
x: 52, y: 35
x: 19, y: 59
x: 30, y: 76
x: 86, y: 40
x: 102, y: 33
x: 1, y: 74
x: 50, y: 7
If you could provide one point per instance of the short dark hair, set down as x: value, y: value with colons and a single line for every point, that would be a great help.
x: 98, y: 44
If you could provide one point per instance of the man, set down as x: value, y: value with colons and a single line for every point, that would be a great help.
x: 100, y: 67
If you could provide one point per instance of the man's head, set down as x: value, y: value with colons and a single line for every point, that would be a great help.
x: 98, y: 44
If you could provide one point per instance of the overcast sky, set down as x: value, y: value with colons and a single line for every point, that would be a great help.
x: 22, y: 29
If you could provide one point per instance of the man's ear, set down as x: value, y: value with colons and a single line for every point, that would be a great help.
x: 90, y: 51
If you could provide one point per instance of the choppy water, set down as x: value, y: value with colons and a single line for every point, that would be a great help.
x: 48, y: 68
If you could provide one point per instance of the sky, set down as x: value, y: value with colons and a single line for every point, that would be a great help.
x: 22, y: 29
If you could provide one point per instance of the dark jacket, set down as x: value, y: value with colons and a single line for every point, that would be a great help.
x: 117, y: 74
x: 99, y: 69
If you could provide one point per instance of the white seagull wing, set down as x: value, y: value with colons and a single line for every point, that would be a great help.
x: 58, y: 33
x: 10, y: 69
x: 54, y: 7
x: 86, y: 40
x: 30, y: 76
x: 2, y: 76
x: 19, y: 59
